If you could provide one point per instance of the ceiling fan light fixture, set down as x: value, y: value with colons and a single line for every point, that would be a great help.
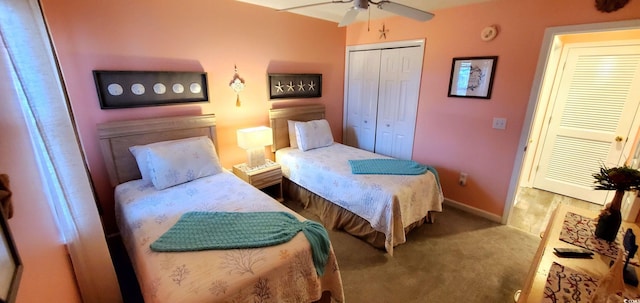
x: 405, y: 11
x: 350, y: 16
x: 361, y: 4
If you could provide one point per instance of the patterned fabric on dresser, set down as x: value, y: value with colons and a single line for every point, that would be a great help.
x: 388, y: 202
x: 281, y: 273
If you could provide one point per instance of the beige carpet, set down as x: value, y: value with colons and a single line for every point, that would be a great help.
x: 459, y: 258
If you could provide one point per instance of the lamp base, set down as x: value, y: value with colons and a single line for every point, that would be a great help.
x: 255, y: 157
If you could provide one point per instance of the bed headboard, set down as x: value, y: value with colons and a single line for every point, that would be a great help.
x: 280, y: 126
x: 116, y: 137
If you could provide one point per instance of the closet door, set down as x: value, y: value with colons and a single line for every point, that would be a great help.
x: 362, y: 99
x: 400, y: 73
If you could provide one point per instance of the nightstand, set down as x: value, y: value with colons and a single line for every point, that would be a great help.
x: 267, y: 177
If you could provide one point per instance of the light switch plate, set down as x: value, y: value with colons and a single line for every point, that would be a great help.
x: 500, y: 123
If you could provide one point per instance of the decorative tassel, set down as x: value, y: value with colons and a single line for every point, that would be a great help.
x: 611, y: 283
x: 237, y: 84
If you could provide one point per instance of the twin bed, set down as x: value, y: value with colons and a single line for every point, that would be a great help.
x: 150, y: 201
x: 280, y: 273
x: 378, y: 208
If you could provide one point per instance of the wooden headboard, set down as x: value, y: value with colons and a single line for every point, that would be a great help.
x: 280, y: 126
x: 116, y: 138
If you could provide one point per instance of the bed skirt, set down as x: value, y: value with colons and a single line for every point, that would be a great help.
x: 335, y: 217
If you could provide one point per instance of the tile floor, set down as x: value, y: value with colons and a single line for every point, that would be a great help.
x: 533, y: 207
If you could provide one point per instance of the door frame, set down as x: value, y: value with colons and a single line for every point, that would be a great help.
x: 372, y: 46
x: 549, y: 57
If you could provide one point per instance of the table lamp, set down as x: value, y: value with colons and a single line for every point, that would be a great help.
x: 254, y: 140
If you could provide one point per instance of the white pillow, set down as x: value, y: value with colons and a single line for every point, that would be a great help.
x: 179, y: 161
x: 293, y: 142
x: 313, y: 134
x: 140, y: 152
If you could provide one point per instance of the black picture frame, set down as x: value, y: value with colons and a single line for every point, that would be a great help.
x: 126, y: 89
x: 10, y: 264
x: 472, y: 77
x: 288, y: 86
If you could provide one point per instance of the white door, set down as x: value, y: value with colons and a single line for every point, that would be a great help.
x: 362, y: 99
x: 382, y: 99
x: 594, y: 101
x: 401, y: 69
x: 400, y: 72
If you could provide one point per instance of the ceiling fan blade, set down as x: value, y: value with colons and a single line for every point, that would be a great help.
x: 314, y: 4
x: 349, y: 17
x: 405, y: 11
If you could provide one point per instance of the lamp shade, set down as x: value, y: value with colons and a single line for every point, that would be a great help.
x: 254, y: 137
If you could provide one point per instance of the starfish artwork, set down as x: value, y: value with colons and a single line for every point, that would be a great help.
x: 383, y: 32
x: 279, y: 87
x: 284, y: 86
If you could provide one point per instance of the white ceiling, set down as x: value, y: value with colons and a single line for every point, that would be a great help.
x: 335, y: 11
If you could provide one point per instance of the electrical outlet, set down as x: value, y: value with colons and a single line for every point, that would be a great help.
x: 463, y: 179
x: 500, y: 123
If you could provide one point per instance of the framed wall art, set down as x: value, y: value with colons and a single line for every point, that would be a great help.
x: 282, y: 86
x: 124, y: 89
x: 10, y: 264
x: 472, y: 77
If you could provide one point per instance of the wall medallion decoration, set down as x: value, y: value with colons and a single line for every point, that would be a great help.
x: 237, y: 84
x: 123, y: 89
x: 282, y: 86
x: 608, y: 6
x: 489, y: 33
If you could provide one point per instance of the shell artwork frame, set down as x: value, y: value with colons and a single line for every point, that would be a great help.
x: 125, y: 89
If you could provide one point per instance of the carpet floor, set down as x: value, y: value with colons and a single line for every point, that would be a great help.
x: 459, y: 258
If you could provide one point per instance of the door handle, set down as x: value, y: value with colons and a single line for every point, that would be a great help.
x: 618, y: 139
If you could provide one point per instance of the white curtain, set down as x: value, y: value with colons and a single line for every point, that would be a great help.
x: 42, y: 97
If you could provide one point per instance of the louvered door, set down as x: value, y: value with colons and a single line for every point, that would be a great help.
x: 594, y: 104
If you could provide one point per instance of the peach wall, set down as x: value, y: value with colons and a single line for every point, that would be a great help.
x: 36, y: 234
x: 455, y: 134
x: 198, y: 35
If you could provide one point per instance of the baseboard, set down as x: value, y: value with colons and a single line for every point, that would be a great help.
x: 473, y: 210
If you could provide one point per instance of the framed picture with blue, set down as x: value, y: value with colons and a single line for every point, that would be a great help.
x: 472, y: 77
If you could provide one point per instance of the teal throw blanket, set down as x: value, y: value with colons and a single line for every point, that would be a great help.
x: 230, y: 230
x: 387, y: 167
x: 391, y: 167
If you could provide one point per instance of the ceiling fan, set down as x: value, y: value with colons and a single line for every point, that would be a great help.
x: 363, y: 5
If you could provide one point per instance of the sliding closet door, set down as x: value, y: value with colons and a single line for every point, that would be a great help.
x: 362, y: 99
x: 400, y: 72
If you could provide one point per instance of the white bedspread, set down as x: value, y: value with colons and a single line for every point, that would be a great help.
x: 388, y: 202
x: 282, y: 273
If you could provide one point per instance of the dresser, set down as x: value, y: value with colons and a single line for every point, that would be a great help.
x: 534, y: 286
